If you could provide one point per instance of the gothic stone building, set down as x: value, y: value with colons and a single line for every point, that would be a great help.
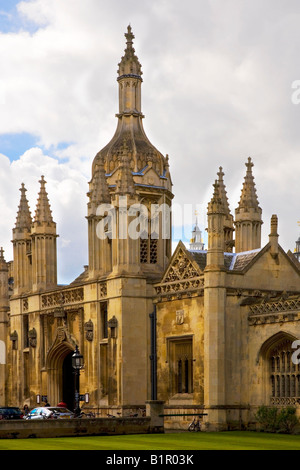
x: 207, y: 330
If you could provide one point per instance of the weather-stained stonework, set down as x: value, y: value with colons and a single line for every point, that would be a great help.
x: 209, y: 330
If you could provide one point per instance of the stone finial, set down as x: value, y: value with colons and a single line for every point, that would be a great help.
x: 125, y: 182
x: 3, y: 263
x: 228, y: 223
x: 249, y: 164
x: 248, y: 198
x: 274, y: 225
x: 129, y: 64
x: 273, y: 239
x: 24, y: 219
x: 99, y: 193
x: 215, y: 204
x: 215, y: 231
x: 43, y: 212
x: 129, y: 36
x: 248, y: 215
x: 222, y: 191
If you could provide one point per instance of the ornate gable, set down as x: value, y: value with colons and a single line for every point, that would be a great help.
x: 182, y: 275
x: 181, y: 267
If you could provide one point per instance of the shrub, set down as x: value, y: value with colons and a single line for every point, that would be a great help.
x: 287, y: 419
x: 273, y: 419
x: 267, y: 417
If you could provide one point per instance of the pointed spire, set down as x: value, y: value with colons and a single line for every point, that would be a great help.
x: 24, y: 219
x: 249, y: 197
x: 222, y: 190
x: 43, y: 212
x: 228, y: 223
x: 100, y: 192
x: 215, y: 204
x: 129, y: 36
x: 215, y: 231
x: 129, y: 64
x: 125, y: 182
x: 248, y: 215
x: 3, y: 263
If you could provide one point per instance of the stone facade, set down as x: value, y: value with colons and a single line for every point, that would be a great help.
x: 226, y: 324
x: 200, y: 330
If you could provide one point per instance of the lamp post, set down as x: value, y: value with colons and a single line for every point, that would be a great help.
x: 77, y: 364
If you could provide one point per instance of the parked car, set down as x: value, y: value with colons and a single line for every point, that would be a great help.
x: 10, y: 412
x: 50, y: 412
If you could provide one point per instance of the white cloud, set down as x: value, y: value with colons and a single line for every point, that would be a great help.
x: 66, y: 188
x: 217, y: 88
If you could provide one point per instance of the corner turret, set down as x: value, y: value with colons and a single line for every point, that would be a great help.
x: 248, y: 215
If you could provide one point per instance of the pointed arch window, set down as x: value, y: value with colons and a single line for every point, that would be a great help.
x: 284, y: 376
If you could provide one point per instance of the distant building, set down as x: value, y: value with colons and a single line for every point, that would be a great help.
x: 196, y: 243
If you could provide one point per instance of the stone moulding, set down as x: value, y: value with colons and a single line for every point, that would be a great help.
x: 180, y: 289
x: 176, y: 286
x: 279, y: 311
x: 276, y: 318
x: 62, y: 298
x: 285, y: 401
x: 276, y: 306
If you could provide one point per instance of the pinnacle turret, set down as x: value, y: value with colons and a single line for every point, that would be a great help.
x: 248, y: 219
x: 129, y: 64
x: 216, y: 204
x: 135, y: 169
x: 125, y: 182
x: 222, y: 191
x: 215, y: 230
x: 24, y: 219
x: 43, y: 214
x: 143, y: 153
x: 228, y: 224
x: 99, y: 193
x: 2, y: 259
x: 248, y: 199
x: 43, y: 245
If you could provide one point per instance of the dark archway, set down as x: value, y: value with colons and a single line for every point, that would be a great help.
x: 62, y: 347
x: 68, y: 382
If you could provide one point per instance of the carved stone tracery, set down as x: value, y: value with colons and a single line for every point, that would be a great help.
x: 182, y: 268
x: 181, y: 277
x: 63, y: 298
x: 277, y: 311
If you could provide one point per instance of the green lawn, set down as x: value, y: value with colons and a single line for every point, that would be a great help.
x: 177, y: 441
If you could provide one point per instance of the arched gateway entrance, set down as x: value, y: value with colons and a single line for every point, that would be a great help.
x: 68, y: 382
x: 61, y: 380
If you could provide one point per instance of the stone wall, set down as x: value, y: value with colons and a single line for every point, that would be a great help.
x: 24, y: 429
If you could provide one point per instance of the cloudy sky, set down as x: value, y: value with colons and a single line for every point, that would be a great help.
x: 220, y: 85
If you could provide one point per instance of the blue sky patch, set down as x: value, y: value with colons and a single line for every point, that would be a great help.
x: 11, y: 21
x: 14, y: 145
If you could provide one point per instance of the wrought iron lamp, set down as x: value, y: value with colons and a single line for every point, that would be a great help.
x: 77, y: 364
